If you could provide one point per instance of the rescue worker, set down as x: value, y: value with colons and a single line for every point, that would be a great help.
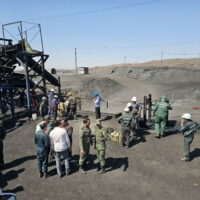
x: 2, y: 137
x: 54, y: 107
x: 43, y: 109
x: 161, y: 111
x: 85, y: 140
x: 72, y: 105
x: 97, y: 102
x: 136, y: 111
x: 129, y: 105
x: 133, y: 130
x: 42, y: 142
x: 50, y: 98
x: 127, y: 123
x: 188, y: 128
x: 100, y: 138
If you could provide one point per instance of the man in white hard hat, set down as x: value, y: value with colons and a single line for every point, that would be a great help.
x: 136, y: 111
x: 50, y: 98
x: 188, y: 128
x: 127, y: 123
x: 43, y: 109
x: 129, y: 105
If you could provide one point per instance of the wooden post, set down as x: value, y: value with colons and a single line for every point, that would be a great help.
x: 145, y: 110
x: 149, y: 107
x: 59, y: 90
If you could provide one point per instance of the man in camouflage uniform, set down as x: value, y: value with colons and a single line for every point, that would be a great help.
x: 188, y: 128
x: 127, y: 123
x: 100, y: 138
x: 85, y: 140
x: 161, y: 111
x: 2, y: 137
x: 72, y: 105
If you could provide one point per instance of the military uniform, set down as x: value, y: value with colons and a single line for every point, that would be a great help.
x: 161, y: 111
x: 127, y: 125
x: 188, y: 131
x: 2, y: 137
x: 42, y: 142
x: 85, y: 139
x: 72, y: 106
x: 101, y: 137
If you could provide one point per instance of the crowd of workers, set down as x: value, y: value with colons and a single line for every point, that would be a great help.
x: 53, y: 137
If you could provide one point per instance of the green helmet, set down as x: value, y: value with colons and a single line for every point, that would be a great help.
x: 164, y: 97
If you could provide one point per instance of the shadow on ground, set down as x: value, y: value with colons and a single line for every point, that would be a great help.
x: 13, y: 174
x: 116, y: 163
x: 18, y: 161
x: 195, y: 153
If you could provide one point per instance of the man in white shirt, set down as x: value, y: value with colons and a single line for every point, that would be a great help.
x: 60, y: 144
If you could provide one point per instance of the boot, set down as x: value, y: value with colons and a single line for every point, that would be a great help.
x: 185, y: 159
x: 82, y: 170
x: 41, y: 174
x: 102, y: 171
x: 45, y: 175
x: 99, y: 167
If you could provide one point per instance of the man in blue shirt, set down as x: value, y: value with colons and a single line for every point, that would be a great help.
x: 42, y: 142
x: 97, y: 102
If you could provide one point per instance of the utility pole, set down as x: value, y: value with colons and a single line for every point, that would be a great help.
x: 161, y: 58
x: 76, y: 62
x: 124, y: 59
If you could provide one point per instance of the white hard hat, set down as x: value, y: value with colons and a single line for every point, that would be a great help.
x: 55, y: 96
x: 129, y: 105
x: 186, y: 116
x: 126, y: 109
x: 44, y: 98
x: 134, y: 99
x: 52, y: 90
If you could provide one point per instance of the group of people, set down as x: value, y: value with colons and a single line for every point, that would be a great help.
x: 129, y: 121
x: 55, y: 140
x: 54, y: 108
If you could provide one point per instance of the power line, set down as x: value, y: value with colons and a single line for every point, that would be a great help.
x: 97, y: 10
x: 138, y: 46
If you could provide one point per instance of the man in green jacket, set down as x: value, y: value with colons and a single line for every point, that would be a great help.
x: 100, y: 138
x: 161, y: 111
x: 42, y: 142
x: 85, y: 140
x: 2, y: 137
x: 188, y: 128
x: 128, y: 124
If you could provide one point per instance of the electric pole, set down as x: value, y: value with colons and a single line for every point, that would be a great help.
x: 76, y: 62
x: 161, y: 58
x: 124, y: 59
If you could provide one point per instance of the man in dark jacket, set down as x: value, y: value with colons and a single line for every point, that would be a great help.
x: 127, y: 122
x: 2, y: 137
x: 42, y: 142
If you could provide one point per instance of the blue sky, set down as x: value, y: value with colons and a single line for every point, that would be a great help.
x: 129, y: 34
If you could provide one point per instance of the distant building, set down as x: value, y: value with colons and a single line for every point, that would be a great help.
x: 83, y: 70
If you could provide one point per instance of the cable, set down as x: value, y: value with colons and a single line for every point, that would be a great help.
x: 34, y: 37
x: 97, y: 10
x: 11, y: 34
